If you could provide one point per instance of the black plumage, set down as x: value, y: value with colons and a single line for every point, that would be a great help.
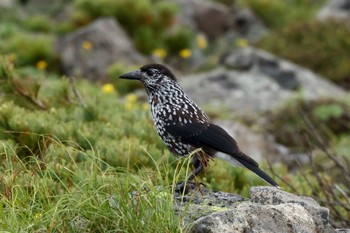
x: 184, y: 126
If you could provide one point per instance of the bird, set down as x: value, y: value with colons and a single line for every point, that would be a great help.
x: 185, y: 128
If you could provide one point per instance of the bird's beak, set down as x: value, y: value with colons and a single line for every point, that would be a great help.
x: 132, y: 75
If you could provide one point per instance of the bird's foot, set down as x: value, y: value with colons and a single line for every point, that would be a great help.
x: 187, y: 186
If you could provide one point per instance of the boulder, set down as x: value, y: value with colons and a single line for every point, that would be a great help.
x: 204, y: 202
x: 88, y: 51
x: 215, y: 19
x: 246, y: 25
x: 272, y: 196
x: 250, y: 80
x: 268, y: 210
x: 250, y: 217
x: 211, y: 18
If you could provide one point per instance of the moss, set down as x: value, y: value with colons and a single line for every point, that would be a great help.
x: 30, y: 48
x: 197, y: 211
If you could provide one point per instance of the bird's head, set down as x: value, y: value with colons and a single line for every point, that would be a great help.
x: 153, y: 76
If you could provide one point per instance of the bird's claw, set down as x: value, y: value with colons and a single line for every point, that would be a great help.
x: 187, y: 186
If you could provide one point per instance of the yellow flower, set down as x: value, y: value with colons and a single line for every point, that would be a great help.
x: 131, y: 98
x: 37, y: 216
x: 87, y: 45
x: 129, y: 106
x: 145, y: 106
x: 185, y: 53
x: 41, y: 65
x: 242, y: 42
x: 107, y: 88
x: 201, y: 42
x: 160, y: 53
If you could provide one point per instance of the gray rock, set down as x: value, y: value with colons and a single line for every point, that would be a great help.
x: 251, y: 217
x: 342, y: 230
x: 109, y: 44
x: 204, y: 202
x: 215, y: 19
x: 252, y: 81
x: 335, y: 9
x: 272, y: 196
x: 6, y: 4
x: 269, y: 210
x: 245, y: 25
x: 211, y: 18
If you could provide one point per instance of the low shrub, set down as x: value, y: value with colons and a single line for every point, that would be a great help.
x: 320, y: 46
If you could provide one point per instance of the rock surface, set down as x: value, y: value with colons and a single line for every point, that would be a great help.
x: 268, y: 210
x: 215, y: 19
x: 211, y: 18
x: 251, y: 80
x: 246, y: 25
x: 6, y: 3
x: 335, y: 9
x: 105, y: 43
x: 270, y: 196
x: 260, y: 146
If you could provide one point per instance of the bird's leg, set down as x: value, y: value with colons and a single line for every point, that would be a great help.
x: 186, y: 186
x: 197, y: 165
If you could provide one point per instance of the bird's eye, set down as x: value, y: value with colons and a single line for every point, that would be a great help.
x: 150, y: 72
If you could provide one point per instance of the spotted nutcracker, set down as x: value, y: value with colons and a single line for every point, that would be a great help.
x: 185, y: 127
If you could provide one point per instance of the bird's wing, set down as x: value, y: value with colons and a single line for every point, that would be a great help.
x: 213, y: 137
x: 187, y: 130
x: 208, y: 136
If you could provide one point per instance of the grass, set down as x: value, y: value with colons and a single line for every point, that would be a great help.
x: 59, y: 194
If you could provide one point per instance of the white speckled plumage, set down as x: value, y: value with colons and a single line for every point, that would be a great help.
x: 184, y: 126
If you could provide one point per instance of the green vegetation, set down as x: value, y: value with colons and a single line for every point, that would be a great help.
x: 278, y: 14
x: 148, y: 24
x: 288, y: 124
x: 96, y: 163
x: 320, y: 130
x: 73, y: 190
x: 321, y: 46
x: 29, y: 48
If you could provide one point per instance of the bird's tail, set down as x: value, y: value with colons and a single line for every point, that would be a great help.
x: 242, y: 159
x: 259, y: 172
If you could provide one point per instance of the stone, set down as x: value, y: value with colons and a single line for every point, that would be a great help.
x: 251, y: 81
x: 252, y: 217
x: 268, y: 210
x: 215, y: 20
x: 335, y: 9
x: 6, y: 4
x: 211, y: 18
x: 105, y: 43
x: 246, y: 25
x: 271, y: 196
x: 203, y: 202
